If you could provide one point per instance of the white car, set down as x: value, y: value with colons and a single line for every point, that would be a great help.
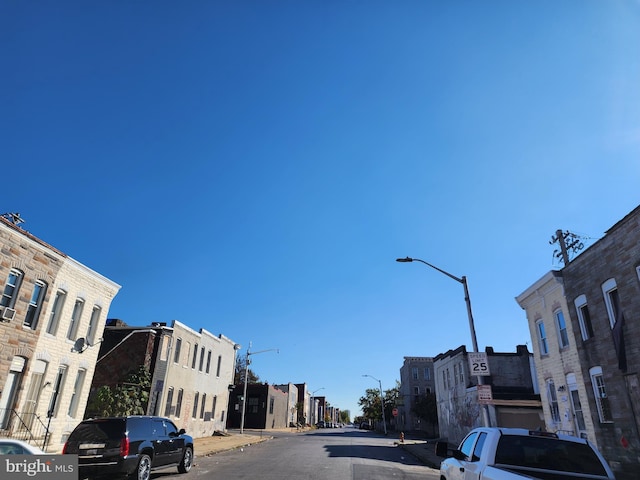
x: 9, y: 446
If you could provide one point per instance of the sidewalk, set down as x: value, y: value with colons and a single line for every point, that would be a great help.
x: 423, y: 450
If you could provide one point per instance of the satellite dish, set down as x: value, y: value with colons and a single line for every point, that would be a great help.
x: 80, y: 345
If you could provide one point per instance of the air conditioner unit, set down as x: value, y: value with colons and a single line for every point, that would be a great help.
x: 8, y: 314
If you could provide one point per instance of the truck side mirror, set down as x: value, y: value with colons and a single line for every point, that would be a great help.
x: 442, y: 449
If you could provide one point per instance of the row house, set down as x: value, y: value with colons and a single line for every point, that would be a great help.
x: 304, y: 404
x: 416, y: 382
x: 593, y: 388
x: 191, y: 371
x: 514, y: 399
x: 292, y: 402
x: 267, y: 407
x: 52, y: 310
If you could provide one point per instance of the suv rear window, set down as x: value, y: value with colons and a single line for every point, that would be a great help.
x: 98, y: 431
x: 548, y: 453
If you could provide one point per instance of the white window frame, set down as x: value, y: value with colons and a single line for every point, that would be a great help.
x: 76, y: 315
x: 11, y: 288
x: 581, y: 305
x: 414, y: 373
x: 56, y: 311
x: 427, y: 373
x: 541, y: 334
x: 35, y: 305
x: 552, y: 398
x: 77, y: 391
x: 600, y: 393
x: 561, y: 327
x: 608, y: 287
x: 94, y: 320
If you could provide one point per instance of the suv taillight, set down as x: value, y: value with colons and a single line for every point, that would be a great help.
x: 124, y: 447
x: 64, y: 449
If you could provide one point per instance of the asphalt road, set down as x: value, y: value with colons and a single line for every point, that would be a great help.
x: 325, y: 454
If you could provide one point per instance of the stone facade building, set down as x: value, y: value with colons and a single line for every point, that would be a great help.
x: 416, y: 381
x: 515, y: 401
x: 53, y: 311
x: 602, y: 287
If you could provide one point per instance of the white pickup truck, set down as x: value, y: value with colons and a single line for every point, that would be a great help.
x: 518, y: 454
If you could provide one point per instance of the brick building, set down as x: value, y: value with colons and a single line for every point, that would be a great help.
x: 416, y: 381
x: 53, y: 312
x: 602, y: 287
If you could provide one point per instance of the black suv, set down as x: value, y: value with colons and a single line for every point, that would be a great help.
x: 129, y: 446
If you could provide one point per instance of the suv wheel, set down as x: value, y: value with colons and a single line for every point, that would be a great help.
x: 143, y: 471
x: 187, y: 460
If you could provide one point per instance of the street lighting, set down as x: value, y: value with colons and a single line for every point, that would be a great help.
x: 474, y: 340
x: 313, y: 405
x: 384, y: 421
x: 246, y: 375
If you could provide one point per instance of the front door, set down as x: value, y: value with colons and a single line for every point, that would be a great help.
x: 10, y: 390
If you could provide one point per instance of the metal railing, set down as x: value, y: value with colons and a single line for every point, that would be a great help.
x: 27, y: 427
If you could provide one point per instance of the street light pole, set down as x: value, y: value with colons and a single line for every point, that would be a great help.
x: 246, y: 375
x: 384, y: 421
x: 472, y: 328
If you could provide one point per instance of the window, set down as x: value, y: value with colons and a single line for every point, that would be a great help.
x: 553, y: 401
x: 414, y: 373
x: 213, y: 407
x: 195, y: 356
x: 448, y: 378
x: 602, y: 401
x: 611, y: 299
x: 167, y: 408
x: 584, y: 319
x: 455, y: 373
x: 54, y: 317
x: 563, y: 336
x: 179, y: 402
x: 77, y: 391
x: 204, y: 402
x: 467, y: 445
x: 208, y: 361
x: 219, y: 365
x: 176, y: 354
x: 427, y: 373
x: 194, y: 413
x: 542, y: 338
x: 444, y: 380
x: 11, y: 288
x: 75, y: 319
x: 93, y: 324
x: 35, y: 305
x: 272, y: 401
x: 201, y: 365
x: 58, y: 385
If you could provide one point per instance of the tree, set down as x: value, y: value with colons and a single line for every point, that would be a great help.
x: 425, y: 408
x: 238, y: 377
x: 370, y: 404
x: 345, y: 416
x: 130, y: 397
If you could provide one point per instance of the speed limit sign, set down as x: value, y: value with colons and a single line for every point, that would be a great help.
x: 479, y: 364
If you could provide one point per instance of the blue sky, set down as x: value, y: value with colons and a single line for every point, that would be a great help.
x: 255, y: 168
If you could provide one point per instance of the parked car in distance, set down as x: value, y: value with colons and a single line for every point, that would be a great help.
x: 129, y: 446
x: 9, y: 446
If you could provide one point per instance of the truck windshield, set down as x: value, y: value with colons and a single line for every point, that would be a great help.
x: 548, y: 453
